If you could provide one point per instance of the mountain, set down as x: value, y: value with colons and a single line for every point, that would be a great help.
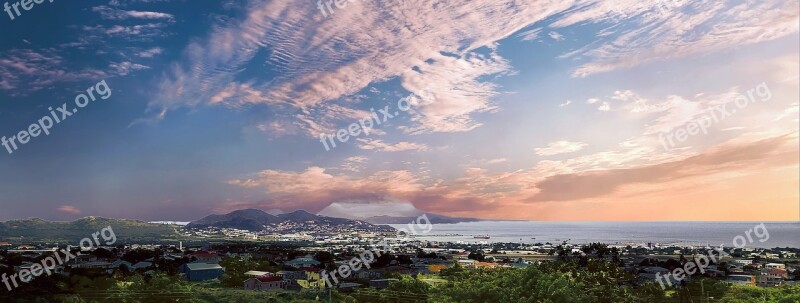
x: 275, y: 212
x: 299, y: 216
x: 36, y: 230
x: 434, y: 218
x: 247, y: 219
x: 297, y: 221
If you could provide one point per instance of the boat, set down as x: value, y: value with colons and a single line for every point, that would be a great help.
x: 482, y: 237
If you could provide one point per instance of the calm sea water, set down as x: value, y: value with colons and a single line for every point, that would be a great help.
x: 781, y: 234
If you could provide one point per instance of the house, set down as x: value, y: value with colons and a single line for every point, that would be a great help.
x: 265, y: 283
x: 772, y: 277
x: 5, y: 245
x: 141, y: 265
x: 255, y: 273
x: 206, y: 257
x: 244, y: 256
x: 520, y: 263
x: 468, y: 263
x: 743, y: 261
x: 775, y: 272
x: 768, y: 255
x: 741, y: 280
x: 312, y: 280
x: 201, y: 271
x: 84, y: 258
x: 120, y: 263
x: 775, y: 266
x: 367, y: 274
x: 307, y: 261
x: 93, y: 265
x: 290, y: 275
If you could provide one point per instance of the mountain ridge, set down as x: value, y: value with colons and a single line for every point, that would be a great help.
x: 256, y: 220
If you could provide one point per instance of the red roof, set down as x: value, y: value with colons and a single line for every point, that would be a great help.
x: 269, y: 278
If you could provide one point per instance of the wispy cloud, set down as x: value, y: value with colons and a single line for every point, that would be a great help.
x: 560, y: 147
x: 556, y: 36
x: 118, y: 14
x: 151, y: 52
x: 316, y: 68
x: 374, y: 144
x: 530, y: 35
x: 698, y: 27
x: 37, y: 70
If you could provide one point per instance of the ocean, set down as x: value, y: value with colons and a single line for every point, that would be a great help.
x: 780, y: 234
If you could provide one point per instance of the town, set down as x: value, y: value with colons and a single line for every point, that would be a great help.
x: 297, y: 263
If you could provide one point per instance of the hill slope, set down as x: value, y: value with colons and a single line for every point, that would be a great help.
x: 247, y: 219
x: 37, y: 230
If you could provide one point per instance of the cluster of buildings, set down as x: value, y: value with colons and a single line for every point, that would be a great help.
x: 196, y: 265
x: 754, y: 266
x: 743, y: 266
x: 287, y: 232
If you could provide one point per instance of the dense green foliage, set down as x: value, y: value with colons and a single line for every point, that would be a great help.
x: 39, y: 231
x: 593, y: 276
x: 235, y: 268
x: 547, y: 282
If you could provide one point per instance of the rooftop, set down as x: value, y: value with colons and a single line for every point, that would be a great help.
x: 202, y: 266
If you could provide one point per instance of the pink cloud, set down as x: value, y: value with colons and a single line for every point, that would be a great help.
x: 482, y: 193
x: 69, y: 209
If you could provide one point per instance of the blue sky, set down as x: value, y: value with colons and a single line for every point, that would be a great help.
x: 526, y: 110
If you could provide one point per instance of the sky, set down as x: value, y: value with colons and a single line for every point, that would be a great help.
x: 578, y: 110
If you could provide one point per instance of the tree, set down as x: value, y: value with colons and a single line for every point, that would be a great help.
x: 478, y: 256
x: 324, y: 257
x: 103, y: 253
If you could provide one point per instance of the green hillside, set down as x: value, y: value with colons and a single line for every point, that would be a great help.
x: 36, y: 230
